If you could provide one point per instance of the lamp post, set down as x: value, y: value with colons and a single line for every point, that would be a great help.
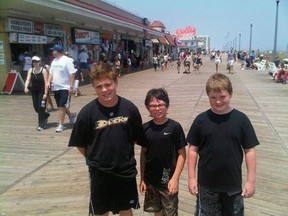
x: 251, y: 25
x: 239, y: 41
x: 276, y: 28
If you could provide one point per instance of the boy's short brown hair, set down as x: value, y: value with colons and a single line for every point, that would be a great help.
x: 102, y: 70
x: 218, y: 82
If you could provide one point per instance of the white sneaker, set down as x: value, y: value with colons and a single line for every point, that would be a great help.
x: 72, y: 118
x: 40, y: 128
x: 60, y: 128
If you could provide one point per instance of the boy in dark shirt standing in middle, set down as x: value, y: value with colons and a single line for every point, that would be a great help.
x: 163, y: 157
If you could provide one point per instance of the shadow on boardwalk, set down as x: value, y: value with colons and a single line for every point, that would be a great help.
x: 40, y: 175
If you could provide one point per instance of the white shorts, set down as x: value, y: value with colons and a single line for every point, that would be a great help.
x: 230, y: 63
x: 217, y: 61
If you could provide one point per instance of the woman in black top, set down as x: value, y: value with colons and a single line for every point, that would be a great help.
x: 38, y: 77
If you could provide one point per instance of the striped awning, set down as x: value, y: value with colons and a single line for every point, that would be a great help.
x: 162, y: 40
x: 170, y: 39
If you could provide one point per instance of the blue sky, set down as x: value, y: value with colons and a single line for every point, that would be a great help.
x: 218, y: 17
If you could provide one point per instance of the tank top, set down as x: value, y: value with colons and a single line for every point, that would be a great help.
x: 37, y: 81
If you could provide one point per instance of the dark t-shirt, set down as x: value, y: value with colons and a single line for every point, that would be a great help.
x: 162, y: 142
x: 221, y: 140
x: 109, y: 135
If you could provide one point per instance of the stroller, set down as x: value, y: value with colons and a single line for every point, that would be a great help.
x: 187, y: 67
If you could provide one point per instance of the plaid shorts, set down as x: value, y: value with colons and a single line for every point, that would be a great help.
x: 211, y: 203
x: 159, y: 199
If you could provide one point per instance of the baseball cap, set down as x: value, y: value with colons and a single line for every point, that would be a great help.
x: 57, y: 47
x: 36, y: 58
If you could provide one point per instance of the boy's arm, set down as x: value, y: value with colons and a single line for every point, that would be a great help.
x: 192, y: 161
x: 81, y: 150
x: 249, y: 187
x: 142, y: 168
x: 142, y: 162
x: 173, y: 183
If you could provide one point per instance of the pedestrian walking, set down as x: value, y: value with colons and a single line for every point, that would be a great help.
x: 178, y: 65
x: 198, y: 63
x: 49, y: 106
x: 220, y: 136
x: 105, y: 132
x: 230, y: 61
x: 155, y: 62
x: 117, y: 66
x: 78, y: 76
x: 217, y: 60
x: 83, y: 59
x: 38, y: 77
x: 61, y: 79
x: 27, y: 65
x: 162, y: 158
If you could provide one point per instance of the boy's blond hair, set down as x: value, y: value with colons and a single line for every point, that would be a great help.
x: 102, y: 70
x: 218, y: 82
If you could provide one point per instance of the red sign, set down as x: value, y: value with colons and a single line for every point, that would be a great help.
x: 39, y: 28
x: 188, y: 31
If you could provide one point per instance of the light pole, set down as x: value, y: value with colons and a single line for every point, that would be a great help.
x: 251, y: 25
x: 276, y: 28
x: 239, y: 41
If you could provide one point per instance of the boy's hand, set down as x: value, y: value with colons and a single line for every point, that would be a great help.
x: 142, y: 187
x: 248, y: 190
x: 193, y: 186
x: 173, y: 186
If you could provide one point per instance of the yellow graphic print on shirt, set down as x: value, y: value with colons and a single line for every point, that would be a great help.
x: 103, y: 123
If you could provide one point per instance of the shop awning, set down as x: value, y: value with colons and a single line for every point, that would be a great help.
x: 162, y: 40
x: 155, y: 41
x: 170, y: 40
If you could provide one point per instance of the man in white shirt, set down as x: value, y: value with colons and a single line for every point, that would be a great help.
x: 61, y: 78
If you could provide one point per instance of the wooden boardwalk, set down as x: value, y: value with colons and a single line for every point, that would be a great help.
x: 40, y: 175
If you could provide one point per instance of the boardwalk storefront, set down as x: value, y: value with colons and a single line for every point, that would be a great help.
x: 34, y: 26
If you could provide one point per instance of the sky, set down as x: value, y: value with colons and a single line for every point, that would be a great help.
x: 222, y: 20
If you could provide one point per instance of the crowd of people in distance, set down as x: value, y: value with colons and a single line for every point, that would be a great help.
x: 189, y: 59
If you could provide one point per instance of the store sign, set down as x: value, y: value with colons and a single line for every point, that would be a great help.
x: 17, y: 25
x: 148, y: 43
x: 185, y: 34
x: 86, y: 37
x: 32, y: 39
x: 53, y: 30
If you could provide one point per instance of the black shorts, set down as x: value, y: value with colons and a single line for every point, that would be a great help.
x: 84, y: 66
x: 62, y: 98
x: 111, y: 193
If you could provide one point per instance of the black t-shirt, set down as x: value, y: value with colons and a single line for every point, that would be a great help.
x: 162, y: 142
x: 221, y: 140
x: 109, y: 135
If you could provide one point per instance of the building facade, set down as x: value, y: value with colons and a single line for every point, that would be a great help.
x: 103, y: 29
